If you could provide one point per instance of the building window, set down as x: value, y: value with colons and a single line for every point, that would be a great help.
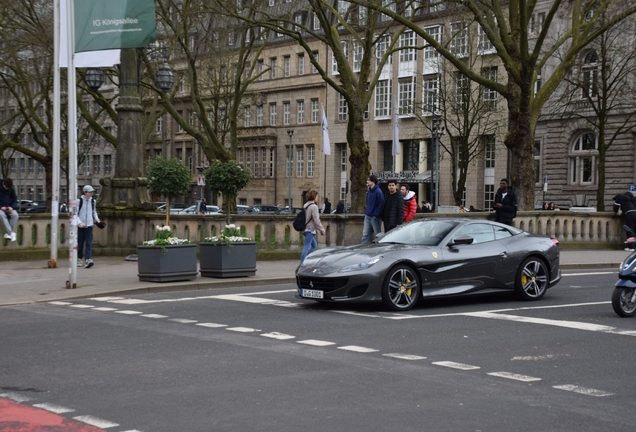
x: 158, y: 125
x: 40, y: 168
x: 407, y: 39
x: 489, y: 196
x: 108, y: 164
x: 381, y: 48
x: 489, y: 151
x: 300, y: 161
x: 590, y: 75
x: 436, y: 33
x: 300, y: 111
x: 358, y: 53
x: 316, y: 23
x: 314, y: 69
x: 459, y: 42
x: 301, y: 64
x: 271, y: 162
x: 311, y: 160
x: 273, y: 67
x: 411, y: 156
x: 32, y: 165
x: 583, y: 155
x: 287, y: 65
x: 257, y: 165
x: 260, y: 67
x: 314, y: 110
x: 345, y: 52
x: 241, y: 159
x: 272, y: 114
x: 247, y: 115
x: 343, y: 159
x: 259, y: 115
x: 343, y: 108
x: 363, y: 14
x: 390, y: 5
x: 430, y: 89
x: 406, y: 95
x: 264, y: 161
x: 489, y: 96
x: 97, y: 164
x: 383, y: 98
x: 286, y: 112
x: 248, y: 159
x: 536, y: 22
x: 484, y: 45
x: 537, y: 160
x: 462, y: 91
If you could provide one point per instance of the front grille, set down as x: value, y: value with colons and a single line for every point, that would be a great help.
x: 324, y: 284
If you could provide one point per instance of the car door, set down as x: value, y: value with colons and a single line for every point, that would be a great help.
x: 475, y: 266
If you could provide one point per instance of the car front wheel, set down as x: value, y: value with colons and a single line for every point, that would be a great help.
x: 401, y: 288
x: 532, y: 279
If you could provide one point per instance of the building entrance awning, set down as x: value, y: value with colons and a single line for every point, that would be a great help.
x: 404, y: 176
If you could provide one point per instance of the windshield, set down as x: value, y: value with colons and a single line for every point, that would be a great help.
x: 426, y: 233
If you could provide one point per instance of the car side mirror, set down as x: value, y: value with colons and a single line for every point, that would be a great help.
x: 461, y: 239
x: 378, y: 236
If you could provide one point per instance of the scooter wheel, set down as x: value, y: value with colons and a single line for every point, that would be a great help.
x: 624, y: 301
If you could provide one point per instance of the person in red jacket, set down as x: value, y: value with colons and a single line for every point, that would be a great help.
x: 410, y: 203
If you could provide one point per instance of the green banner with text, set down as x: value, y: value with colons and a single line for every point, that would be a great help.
x: 113, y: 24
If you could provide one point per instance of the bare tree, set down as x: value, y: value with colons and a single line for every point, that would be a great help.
x: 508, y: 25
x: 599, y: 90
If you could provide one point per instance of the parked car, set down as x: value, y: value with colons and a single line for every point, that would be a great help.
x: 347, y: 209
x: 285, y: 211
x: 242, y: 209
x: 174, y: 207
x: 210, y: 209
x: 433, y: 258
x: 263, y: 209
x: 28, y: 206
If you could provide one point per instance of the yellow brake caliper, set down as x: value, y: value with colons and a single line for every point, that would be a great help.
x: 408, y: 291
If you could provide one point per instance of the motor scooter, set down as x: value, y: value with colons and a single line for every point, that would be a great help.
x: 624, y: 295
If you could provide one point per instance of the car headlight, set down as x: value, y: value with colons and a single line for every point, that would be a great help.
x: 362, y: 266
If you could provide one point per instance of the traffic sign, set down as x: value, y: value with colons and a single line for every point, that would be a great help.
x: 201, y: 180
x: 632, y: 188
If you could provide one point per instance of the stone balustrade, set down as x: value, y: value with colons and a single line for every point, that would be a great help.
x: 125, y: 230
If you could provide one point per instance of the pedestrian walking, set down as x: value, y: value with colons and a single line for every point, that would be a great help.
x: 627, y: 205
x: 87, y: 217
x: 410, y: 203
x: 312, y: 224
x: 373, y: 210
x: 393, y: 210
x: 203, y: 206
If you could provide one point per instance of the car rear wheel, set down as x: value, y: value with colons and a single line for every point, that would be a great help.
x: 401, y: 289
x: 533, y: 278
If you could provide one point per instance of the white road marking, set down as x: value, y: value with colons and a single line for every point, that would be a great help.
x: 129, y: 301
x: 82, y: 306
x: 404, y: 356
x: 211, y: 325
x: 357, y: 314
x: 558, y: 323
x: 454, y: 365
x: 289, y: 304
x: 183, y: 321
x: 108, y: 298
x: 129, y: 312
x: 245, y: 299
x: 279, y: 336
x: 533, y: 358
x: 512, y: 376
x: 57, y: 409
x: 60, y: 303
x: 104, y: 309
x: 97, y: 422
x: 15, y: 397
x: 583, y: 390
x: 153, y: 316
x: 357, y: 349
x: 242, y: 329
x: 314, y: 342
x: 587, y: 274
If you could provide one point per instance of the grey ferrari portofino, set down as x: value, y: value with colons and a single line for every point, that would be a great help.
x: 433, y: 258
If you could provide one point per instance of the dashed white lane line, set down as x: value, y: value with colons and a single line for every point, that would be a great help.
x: 95, y: 421
x: 356, y: 348
x: 454, y: 365
x: 106, y: 299
x: 558, y: 323
x: 277, y: 335
x: 82, y: 306
x: 128, y: 312
x: 513, y: 376
x: 183, y: 321
x: 404, y: 356
x: 583, y: 390
x: 60, y: 303
x: 57, y: 409
x: 16, y: 397
x: 104, y: 309
x: 242, y: 329
x: 358, y: 314
x: 156, y: 316
x: 314, y: 342
x: 211, y: 325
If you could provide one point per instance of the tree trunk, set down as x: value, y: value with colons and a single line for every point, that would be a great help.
x: 359, y: 159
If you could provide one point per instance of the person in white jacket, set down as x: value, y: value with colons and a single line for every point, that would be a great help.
x: 312, y: 224
x: 87, y: 217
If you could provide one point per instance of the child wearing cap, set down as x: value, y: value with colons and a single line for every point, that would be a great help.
x: 87, y: 216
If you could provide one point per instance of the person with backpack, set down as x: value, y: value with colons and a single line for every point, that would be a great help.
x: 312, y: 224
x: 87, y: 217
x: 8, y: 208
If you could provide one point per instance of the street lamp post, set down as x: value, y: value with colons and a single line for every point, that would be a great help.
x: 290, y: 132
x: 437, y: 130
x: 127, y: 189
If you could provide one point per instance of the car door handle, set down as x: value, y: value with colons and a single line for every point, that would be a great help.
x: 503, y: 254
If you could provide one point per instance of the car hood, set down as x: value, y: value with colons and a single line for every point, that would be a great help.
x: 330, y: 260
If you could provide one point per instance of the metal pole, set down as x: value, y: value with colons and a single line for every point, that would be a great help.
x: 72, y: 145
x: 55, y: 192
x: 435, y: 139
x: 290, y: 132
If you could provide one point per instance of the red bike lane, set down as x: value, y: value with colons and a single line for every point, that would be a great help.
x: 15, y: 417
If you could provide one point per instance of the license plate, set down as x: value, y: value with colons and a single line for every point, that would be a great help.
x: 311, y: 293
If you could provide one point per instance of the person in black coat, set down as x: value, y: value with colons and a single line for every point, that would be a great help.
x: 627, y: 204
x: 505, y: 203
x: 326, y: 206
x: 340, y: 207
x: 393, y: 210
x: 8, y: 204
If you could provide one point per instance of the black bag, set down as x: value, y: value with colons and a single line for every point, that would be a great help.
x: 300, y: 221
x: 100, y: 225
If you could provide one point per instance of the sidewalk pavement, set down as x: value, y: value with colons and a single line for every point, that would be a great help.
x: 31, y: 281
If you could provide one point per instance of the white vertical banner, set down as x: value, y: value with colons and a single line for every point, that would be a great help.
x: 396, y: 132
x: 326, y: 143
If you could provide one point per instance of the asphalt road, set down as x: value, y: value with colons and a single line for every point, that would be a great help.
x: 257, y: 359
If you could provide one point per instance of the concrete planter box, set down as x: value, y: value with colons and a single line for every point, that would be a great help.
x: 225, y: 261
x: 178, y: 263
